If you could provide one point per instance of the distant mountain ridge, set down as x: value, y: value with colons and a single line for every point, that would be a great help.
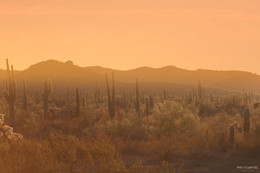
x: 66, y: 73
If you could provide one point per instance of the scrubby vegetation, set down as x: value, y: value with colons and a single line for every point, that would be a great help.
x: 119, y: 132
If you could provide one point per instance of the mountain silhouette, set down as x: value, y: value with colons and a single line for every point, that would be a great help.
x: 60, y: 73
x: 67, y: 74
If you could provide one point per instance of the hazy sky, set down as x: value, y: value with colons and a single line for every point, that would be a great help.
x: 124, y: 34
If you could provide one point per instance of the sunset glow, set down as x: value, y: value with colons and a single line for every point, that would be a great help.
x: 121, y: 34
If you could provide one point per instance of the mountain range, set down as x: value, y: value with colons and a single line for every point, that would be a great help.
x: 66, y: 73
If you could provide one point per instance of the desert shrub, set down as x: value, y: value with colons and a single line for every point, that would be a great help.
x: 82, y: 125
x: 127, y: 128
x: 221, y: 117
x: 102, y: 149
x: 33, y: 106
x: 192, y: 107
x: 247, y: 145
x: 27, y: 156
x: 27, y: 123
x: 188, y: 122
x: 128, y: 147
x: 232, y: 101
x: 58, y: 153
x: 206, y: 109
x: 163, y: 121
x: 70, y: 151
x: 232, y: 104
x: 137, y: 167
x: 93, y: 142
x: 163, y: 148
x: 112, y: 165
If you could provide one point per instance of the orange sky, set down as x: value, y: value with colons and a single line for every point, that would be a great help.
x: 124, y: 34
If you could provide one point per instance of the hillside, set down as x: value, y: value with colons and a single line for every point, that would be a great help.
x: 231, y: 80
x: 60, y: 73
x: 72, y: 75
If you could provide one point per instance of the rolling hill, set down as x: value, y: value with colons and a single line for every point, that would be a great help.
x: 68, y: 74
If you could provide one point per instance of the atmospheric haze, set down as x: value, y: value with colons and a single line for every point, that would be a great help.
x: 118, y: 34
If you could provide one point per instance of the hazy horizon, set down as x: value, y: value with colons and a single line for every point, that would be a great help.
x: 3, y: 67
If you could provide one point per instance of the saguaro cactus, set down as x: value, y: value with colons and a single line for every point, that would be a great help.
x: 137, y: 99
x: 111, y: 101
x: 10, y: 91
x: 147, y: 112
x: 46, y: 94
x: 36, y: 97
x: 232, y: 134
x: 200, y: 90
x: 151, y: 104
x: 246, y: 120
x: 190, y: 97
x: 113, y: 96
x: 194, y: 95
x: 68, y: 107
x: 164, y: 94
x: 77, y: 102
x: 83, y: 101
x: 97, y: 94
x: 108, y: 96
x: 24, y: 96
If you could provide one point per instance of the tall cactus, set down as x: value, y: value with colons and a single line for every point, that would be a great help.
x: 200, y: 90
x: 193, y: 94
x: 96, y: 94
x: 246, y: 120
x: 68, y: 107
x: 137, y: 99
x: 10, y: 91
x: 108, y: 96
x: 111, y: 101
x: 37, y: 97
x: 164, y: 94
x: 83, y: 101
x: 147, y: 112
x: 24, y: 96
x: 232, y: 134
x: 46, y: 93
x: 151, y: 102
x: 190, y: 97
x: 78, y: 103
x: 113, y: 96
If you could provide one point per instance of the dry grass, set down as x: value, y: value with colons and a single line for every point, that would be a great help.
x: 95, y: 143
